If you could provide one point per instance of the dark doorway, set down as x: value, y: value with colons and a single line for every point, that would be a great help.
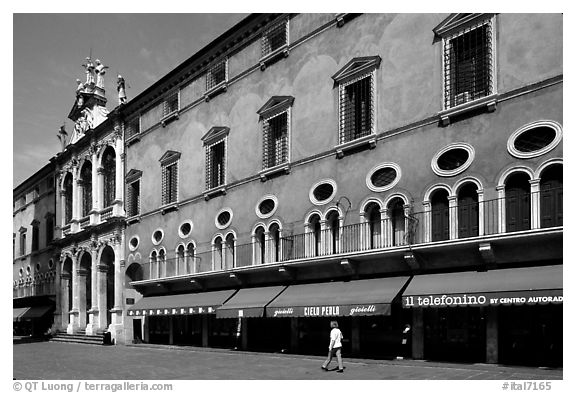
x: 468, y: 211
x: 517, y: 202
x: 440, y: 216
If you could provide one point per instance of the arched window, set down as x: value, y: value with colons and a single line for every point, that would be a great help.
x: 551, y: 196
x: 259, y: 246
x: 154, y: 273
x: 230, y: 251
x: 333, y: 226
x: 440, y: 216
x: 86, y: 177
x: 314, y: 236
x: 517, y: 191
x: 133, y: 273
x: 397, y: 221
x: 274, y: 242
x: 217, y: 257
x: 374, y: 225
x: 162, y: 262
x: 109, y: 165
x: 190, y: 258
x: 68, y: 198
x: 181, y: 260
x: 468, y: 210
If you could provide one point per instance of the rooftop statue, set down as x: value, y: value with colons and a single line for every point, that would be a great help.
x: 121, y: 87
x: 100, y: 71
x: 89, y: 66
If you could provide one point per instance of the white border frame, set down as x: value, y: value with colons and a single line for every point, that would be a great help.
x: 448, y: 173
x: 268, y: 215
x: 327, y: 200
x: 540, y: 123
x: 183, y: 236
x: 217, y: 224
x: 134, y: 248
x: 154, y: 240
x: 387, y: 187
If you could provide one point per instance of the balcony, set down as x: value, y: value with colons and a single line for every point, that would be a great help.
x: 106, y: 213
x: 84, y: 222
x: 464, y: 231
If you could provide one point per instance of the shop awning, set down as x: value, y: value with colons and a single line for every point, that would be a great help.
x: 18, y: 312
x: 184, y: 304
x: 35, y: 312
x: 531, y: 285
x: 337, y: 299
x: 249, y: 302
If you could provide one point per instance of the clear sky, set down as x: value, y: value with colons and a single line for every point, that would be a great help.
x: 49, y: 50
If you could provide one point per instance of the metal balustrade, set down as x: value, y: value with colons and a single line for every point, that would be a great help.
x: 438, y: 224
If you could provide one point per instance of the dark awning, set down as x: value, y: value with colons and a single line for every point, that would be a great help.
x: 35, y: 312
x: 531, y: 285
x: 249, y: 302
x: 18, y: 312
x: 185, y: 304
x: 337, y: 299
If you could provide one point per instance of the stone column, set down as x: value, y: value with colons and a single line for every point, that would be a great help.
x: 453, y: 216
x: 93, y: 325
x: 64, y: 302
x: 63, y: 208
x: 119, y: 194
x: 75, y: 201
x: 267, y: 248
x: 387, y: 228
x: 491, y: 334
x: 323, y: 249
x: 100, y: 189
x: 535, y: 203
x: 94, y: 219
x: 58, y: 312
x: 100, y: 284
x: 117, y: 312
x: 408, y: 235
x: 73, y: 326
x: 417, y: 333
x: 427, y: 238
x: 481, y: 213
x: 81, y: 274
x: 501, y: 208
x: 145, y: 332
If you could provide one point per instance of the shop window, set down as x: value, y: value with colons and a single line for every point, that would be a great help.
x: 551, y: 197
x: 518, y: 205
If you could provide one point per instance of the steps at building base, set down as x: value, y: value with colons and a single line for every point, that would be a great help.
x: 79, y: 338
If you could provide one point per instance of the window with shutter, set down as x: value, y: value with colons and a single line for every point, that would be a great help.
x: 169, y: 162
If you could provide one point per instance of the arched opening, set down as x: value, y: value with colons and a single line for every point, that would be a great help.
x: 107, y: 260
x: 154, y: 264
x: 274, y: 242
x: 315, y: 234
x: 468, y: 211
x: 190, y: 258
x: 181, y: 260
x: 260, y: 246
x: 134, y: 272
x: 85, y: 277
x: 68, y: 198
x: 66, y: 288
x: 397, y: 221
x: 162, y: 263
x: 551, y: 198
x: 230, y: 251
x: 86, y: 177
x: 218, y: 258
x: 440, y: 216
x: 517, y: 194
x: 333, y: 226
x: 374, y: 222
x: 109, y: 171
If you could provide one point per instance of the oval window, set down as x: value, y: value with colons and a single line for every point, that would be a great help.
x: 453, y: 159
x: 266, y: 206
x: 134, y: 242
x: 323, y: 192
x: 157, y: 236
x: 185, y: 229
x: 535, y: 139
x: 50, y: 264
x: 223, y: 219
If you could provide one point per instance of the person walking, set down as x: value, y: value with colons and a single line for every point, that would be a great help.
x: 335, y: 347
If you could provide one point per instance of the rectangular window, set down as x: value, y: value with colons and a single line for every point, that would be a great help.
x: 216, y: 165
x: 274, y: 38
x: 132, y: 127
x: 217, y: 74
x: 169, y: 183
x: 23, y: 243
x: 133, y: 198
x: 356, y: 108
x: 49, y: 229
x: 171, y: 104
x: 35, y: 238
x: 275, y: 140
x: 468, y: 65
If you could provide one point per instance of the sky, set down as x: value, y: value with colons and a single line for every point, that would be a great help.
x: 48, y: 52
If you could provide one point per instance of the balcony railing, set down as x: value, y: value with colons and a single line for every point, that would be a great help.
x: 106, y: 213
x: 466, y: 221
x: 66, y: 229
x: 84, y: 222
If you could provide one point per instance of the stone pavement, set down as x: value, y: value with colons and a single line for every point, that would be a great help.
x: 52, y: 360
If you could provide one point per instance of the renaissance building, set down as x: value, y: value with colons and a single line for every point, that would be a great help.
x: 400, y: 173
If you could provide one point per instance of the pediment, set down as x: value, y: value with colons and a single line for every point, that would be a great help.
x: 134, y: 174
x: 275, y: 104
x: 214, y: 134
x: 357, y: 66
x: 457, y: 21
x: 170, y: 156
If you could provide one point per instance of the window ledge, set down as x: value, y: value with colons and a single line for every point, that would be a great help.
x: 353, y: 144
x: 170, y: 117
x: 282, y: 51
x: 219, y: 88
x: 133, y: 139
x: 214, y: 192
x: 489, y: 102
x: 169, y: 208
x: 265, y: 174
x: 133, y: 219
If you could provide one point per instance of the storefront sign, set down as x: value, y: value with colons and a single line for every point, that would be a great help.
x: 174, y: 311
x: 484, y: 299
x: 328, y: 311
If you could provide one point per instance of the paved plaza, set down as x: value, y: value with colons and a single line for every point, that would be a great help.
x: 51, y: 360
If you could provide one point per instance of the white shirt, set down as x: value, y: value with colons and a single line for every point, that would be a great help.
x: 336, y: 336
